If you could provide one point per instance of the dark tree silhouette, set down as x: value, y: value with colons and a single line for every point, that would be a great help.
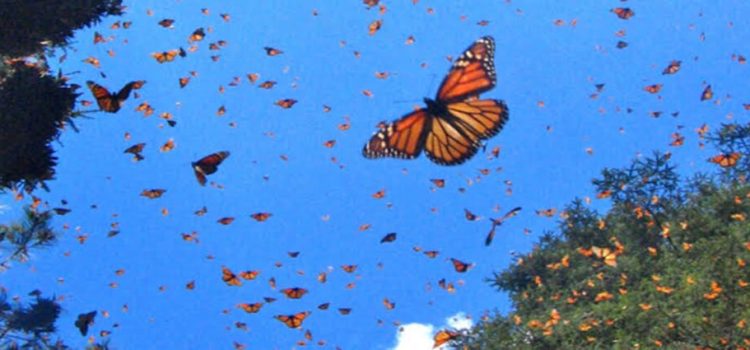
x: 28, y: 26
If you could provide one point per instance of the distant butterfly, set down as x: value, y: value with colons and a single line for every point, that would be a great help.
x: 270, y: 51
x: 84, y: 321
x: 294, y: 293
x: 108, y: 101
x: 450, y: 129
x: 229, y: 277
x: 250, y: 308
x: 460, y: 266
x: 498, y: 222
x: 165, y: 56
x: 208, y: 165
x: 293, y: 321
x: 726, y: 160
x: 607, y: 255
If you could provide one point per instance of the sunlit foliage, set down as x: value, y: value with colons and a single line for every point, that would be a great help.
x: 664, y: 266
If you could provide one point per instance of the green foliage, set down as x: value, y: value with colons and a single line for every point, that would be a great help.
x: 664, y: 267
x: 26, y: 26
x: 19, y: 238
x: 35, y: 106
x: 29, y: 327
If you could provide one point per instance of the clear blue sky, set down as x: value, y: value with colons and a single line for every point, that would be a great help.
x: 544, y: 156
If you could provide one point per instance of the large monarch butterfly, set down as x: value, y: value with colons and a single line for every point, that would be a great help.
x: 108, y: 101
x: 450, y: 129
x: 208, y: 165
x: 229, y: 277
x: 293, y: 321
x: 443, y: 336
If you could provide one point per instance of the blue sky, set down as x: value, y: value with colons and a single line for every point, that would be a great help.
x: 546, y: 75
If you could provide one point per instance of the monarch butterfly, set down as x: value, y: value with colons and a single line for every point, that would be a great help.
x: 444, y: 336
x: 672, y: 68
x: 498, y: 222
x: 84, y: 321
x: 270, y: 51
x: 324, y: 306
x: 250, y: 308
x: 460, y: 266
x: 450, y: 129
x: 388, y: 238
x: 609, y: 256
x: 286, y: 103
x: 249, y: 275
x: 294, y: 293
x: 165, y: 56
x: 153, y: 193
x: 229, y: 277
x: 707, y: 93
x: 349, y: 268
x: 726, y: 160
x: 208, y: 165
x: 261, y: 216
x: 108, y: 101
x: 293, y: 321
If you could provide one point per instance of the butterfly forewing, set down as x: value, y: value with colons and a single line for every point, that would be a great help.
x: 472, y: 73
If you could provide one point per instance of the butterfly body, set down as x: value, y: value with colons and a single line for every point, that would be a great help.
x: 451, y: 127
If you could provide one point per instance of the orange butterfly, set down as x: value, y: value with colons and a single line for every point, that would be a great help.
x: 672, y: 68
x: 197, y: 35
x: 260, y: 217
x: 349, y: 268
x: 607, y: 255
x: 249, y: 275
x: 229, y: 277
x: 460, y: 266
x: 623, y: 12
x: 250, y: 308
x: 165, y: 56
x: 108, y: 101
x: 294, y: 293
x: 208, y: 165
x: 270, y: 51
x: 444, y: 336
x: 450, y: 129
x: 286, y: 103
x: 153, y: 193
x: 726, y: 160
x: 707, y: 93
x: 293, y: 321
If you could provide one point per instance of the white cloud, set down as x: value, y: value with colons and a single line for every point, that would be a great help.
x: 414, y: 336
x: 419, y: 336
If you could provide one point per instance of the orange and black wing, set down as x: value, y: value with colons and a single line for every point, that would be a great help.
x: 208, y: 165
x: 106, y: 101
x: 456, y: 137
x: 293, y: 321
x: 404, y: 138
x: 472, y: 73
